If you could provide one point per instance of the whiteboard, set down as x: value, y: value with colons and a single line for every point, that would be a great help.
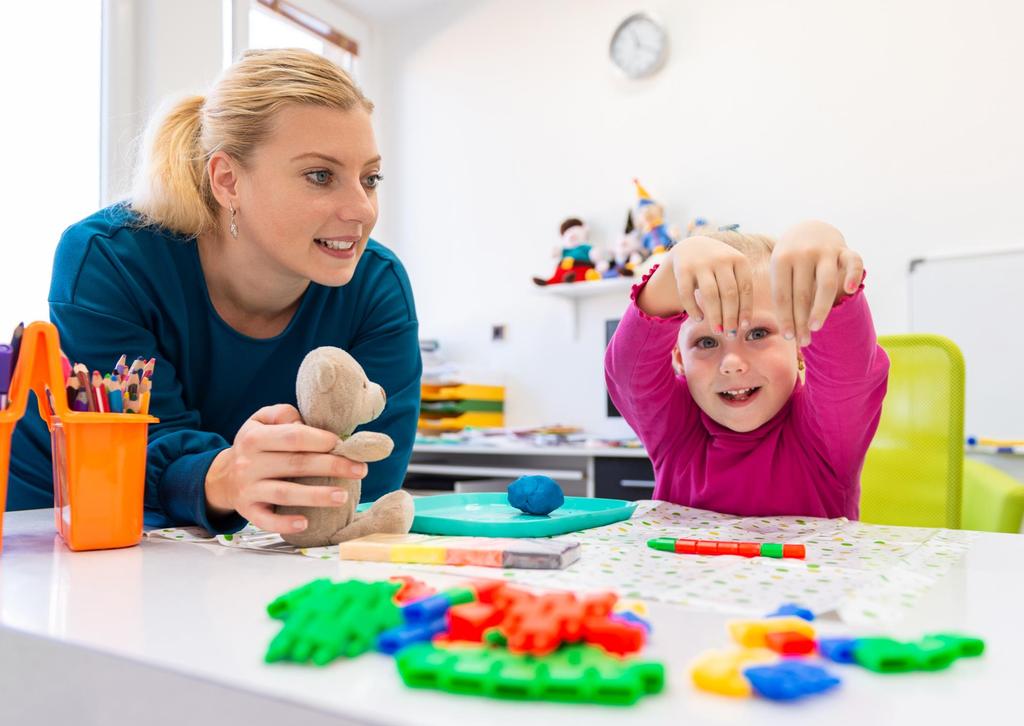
x: 977, y: 300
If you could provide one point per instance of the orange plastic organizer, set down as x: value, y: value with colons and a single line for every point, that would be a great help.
x: 99, y: 459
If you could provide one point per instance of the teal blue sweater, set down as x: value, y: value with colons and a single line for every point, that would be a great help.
x: 118, y: 288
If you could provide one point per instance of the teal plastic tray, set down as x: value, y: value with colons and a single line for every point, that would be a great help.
x: 488, y: 514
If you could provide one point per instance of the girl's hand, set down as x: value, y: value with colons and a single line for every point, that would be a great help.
x: 274, y: 445
x: 704, y: 278
x: 812, y: 269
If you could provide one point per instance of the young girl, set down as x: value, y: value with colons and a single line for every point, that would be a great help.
x: 705, y: 367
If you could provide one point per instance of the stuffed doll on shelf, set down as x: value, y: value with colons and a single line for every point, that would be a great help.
x: 574, y: 255
x: 626, y: 256
x: 655, y: 235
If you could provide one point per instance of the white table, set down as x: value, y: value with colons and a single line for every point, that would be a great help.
x: 169, y: 631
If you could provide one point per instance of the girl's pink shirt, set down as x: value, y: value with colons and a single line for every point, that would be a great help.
x: 806, y: 460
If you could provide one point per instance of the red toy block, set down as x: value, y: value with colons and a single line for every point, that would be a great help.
x: 468, y: 621
x: 686, y: 546
x: 794, y: 550
x: 749, y: 549
x: 706, y: 547
x: 789, y: 643
x: 614, y: 636
x: 728, y: 548
x: 601, y: 604
x: 411, y: 589
x: 487, y: 591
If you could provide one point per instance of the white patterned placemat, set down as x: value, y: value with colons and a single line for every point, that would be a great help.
x: 865, y: 573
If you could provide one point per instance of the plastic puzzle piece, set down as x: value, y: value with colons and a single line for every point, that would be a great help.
x: 884, y: 655
x: 637, y: 607
x: 838, y: 650
x: 789, y: 680
x: 967, y: 646
x: 411, y: 589
x: 391, y: 641
x: 791, y: 608
x: 628, y: 616
x: 576, y: 673
x: 468, y: 621
x: 615, y: 637
x: 539, y: 624
x: 934, y: 654
x: 789, y: 643
x: 325, y: 620
x: 720, y: 671
x: 431, y: 608
x: 751, y: 633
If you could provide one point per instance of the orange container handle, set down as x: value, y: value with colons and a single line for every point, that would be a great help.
x: 38, y: 366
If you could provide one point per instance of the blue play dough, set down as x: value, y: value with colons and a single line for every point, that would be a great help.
x: 535, y: 494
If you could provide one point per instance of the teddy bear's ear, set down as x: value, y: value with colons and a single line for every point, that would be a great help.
x: 326, y: 377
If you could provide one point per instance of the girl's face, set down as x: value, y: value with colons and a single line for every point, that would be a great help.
x: 739, y: 382
x: 308, y: 197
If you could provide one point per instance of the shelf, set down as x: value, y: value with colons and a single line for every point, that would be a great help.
x: 589, y: 288
x: 575, y: 291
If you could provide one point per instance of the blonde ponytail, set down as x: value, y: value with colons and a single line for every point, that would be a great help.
x: 172, y: 186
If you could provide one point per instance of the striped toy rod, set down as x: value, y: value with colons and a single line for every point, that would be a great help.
x: 715, y: 547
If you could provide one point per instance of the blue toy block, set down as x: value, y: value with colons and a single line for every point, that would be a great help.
x: 791, y: 608
x: 789, y: 680
x: 633, y: 619
x: 391, y: 641
x: 426, y: 610
x: 839, y: 650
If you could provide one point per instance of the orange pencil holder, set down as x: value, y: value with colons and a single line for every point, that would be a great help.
x: 99, y: 459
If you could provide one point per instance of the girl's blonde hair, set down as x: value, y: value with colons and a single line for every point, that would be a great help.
x: 755, y: 247
x: 172, y: 185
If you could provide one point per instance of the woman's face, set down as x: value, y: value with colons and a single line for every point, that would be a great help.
x: 307, y: 199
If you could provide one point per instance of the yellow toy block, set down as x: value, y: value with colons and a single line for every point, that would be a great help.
x: 751, y: 633
x: 721, y: 671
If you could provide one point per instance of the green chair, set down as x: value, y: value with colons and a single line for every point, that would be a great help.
x: 915, y: 473
x: 993, y: 500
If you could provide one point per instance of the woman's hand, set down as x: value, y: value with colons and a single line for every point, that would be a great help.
x: 274, y: 445
x: 704, y: 278
x: 812, y: 269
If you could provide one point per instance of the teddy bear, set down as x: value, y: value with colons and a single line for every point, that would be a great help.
x: 334, y: 394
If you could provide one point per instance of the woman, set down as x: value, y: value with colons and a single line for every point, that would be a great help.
x: 245, y: 245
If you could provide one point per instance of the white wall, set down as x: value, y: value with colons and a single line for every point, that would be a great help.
x: 900, y: 122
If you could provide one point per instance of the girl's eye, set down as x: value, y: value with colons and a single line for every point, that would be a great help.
x: 373, y: 180
x: 320, y: 177
x: 757, y: 334
x: 705, y: 343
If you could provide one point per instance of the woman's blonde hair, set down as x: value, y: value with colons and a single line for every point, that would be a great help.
x: 172, y: 186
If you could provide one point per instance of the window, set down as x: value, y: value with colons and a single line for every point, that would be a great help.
x: 51, y: 165
x: 280, y: 24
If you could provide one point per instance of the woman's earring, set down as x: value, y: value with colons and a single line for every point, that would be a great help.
x: 233, y: 227
x: 800, y: 365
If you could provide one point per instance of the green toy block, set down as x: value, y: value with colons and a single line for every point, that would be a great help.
x: 771, y: 549
x: 967, y: 646
x: 324, y: 620
x: 494, y: 636
x: 460, y: 595
x: 934, y: 654
x: 577, y: 673
x: 884, y: 655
